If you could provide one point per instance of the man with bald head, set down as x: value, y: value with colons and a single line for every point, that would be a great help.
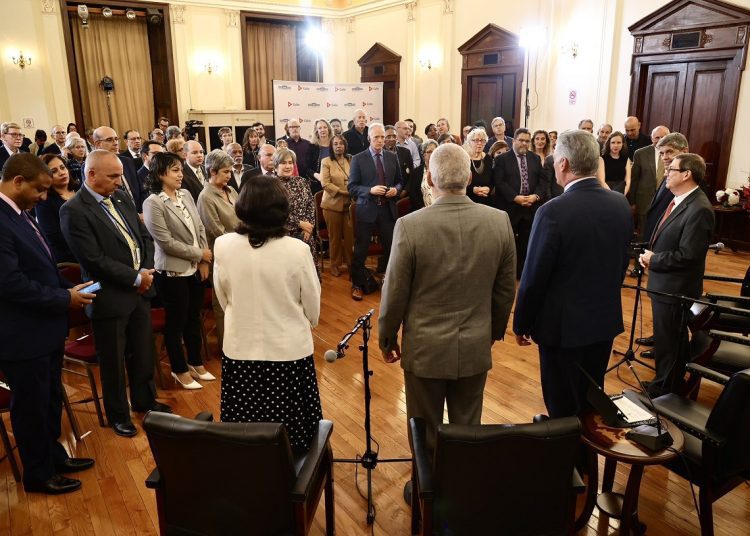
x: 357, y: 136
x: 645, y: 177
x: 114, y: 248
x: 633, y: 136
x: 105, y: 138
x: 194, y: 175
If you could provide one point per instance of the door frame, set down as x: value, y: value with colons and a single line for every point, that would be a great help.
x: 381, y: 64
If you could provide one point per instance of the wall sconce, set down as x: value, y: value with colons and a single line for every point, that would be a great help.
x: 21, y: 61
x: 429, y: 56
x: 209, y: 67
x: 571, y: 49
x: 425, y: 63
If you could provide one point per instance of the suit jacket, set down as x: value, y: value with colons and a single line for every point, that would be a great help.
x: 103, y: 253
x: 233, y: 181
x: 680, y: 246
x: 143, y: 172
x: 48, y: 216
x: 138, y: 161
x: 33, y: 296
x: 363, y: 176
x: 569, y: 295
x: 555, y: 189
x: 643, y: 179
x: 406, y: 165
x: 5, y: 155
x: 659, y: 203
x: 334, y: 177
x: 191, y: 182
x: 507, y: 178
x: 356, y: 142
x: 448, y: 328
x: 174, y: 249
x: 52, y: 148
x: 130, y: 173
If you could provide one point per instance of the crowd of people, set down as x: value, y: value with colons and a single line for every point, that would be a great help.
x: 159, y: 221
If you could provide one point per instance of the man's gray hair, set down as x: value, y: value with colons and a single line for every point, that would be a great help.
x: 675, y: 140
x: 581, y: 150
x: 450, y: 167
x: 172, y: 132
x: 218, y: 159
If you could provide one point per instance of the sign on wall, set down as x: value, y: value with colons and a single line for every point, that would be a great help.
x: 308, y: 101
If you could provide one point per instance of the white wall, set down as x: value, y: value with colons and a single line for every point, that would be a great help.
x: 600, y: 74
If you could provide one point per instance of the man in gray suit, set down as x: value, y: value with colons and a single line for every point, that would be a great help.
x: 450, y: 283
x: 645, y: 178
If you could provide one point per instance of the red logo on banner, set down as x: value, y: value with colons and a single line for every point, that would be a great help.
x: 340, y: 89
x: 370, y: 88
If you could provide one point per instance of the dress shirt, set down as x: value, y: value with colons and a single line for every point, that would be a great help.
x: 412, y: 146
x: 198, y: 175
x: 11, y: 203
x: 680, y: 198
x: 571, y: 183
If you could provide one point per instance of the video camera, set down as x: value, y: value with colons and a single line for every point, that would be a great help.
x: 191, y: 128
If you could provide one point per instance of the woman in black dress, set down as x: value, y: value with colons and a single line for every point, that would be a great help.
x: 614, y: 165
x: 480, y: 188
x: 48, y: 211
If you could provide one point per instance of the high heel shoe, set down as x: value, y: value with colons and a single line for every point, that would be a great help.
x: 192, y: 385
x: 207, y: 376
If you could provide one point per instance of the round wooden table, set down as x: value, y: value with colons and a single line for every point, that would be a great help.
x: 615, y: 447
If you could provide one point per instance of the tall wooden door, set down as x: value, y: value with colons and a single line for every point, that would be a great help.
x: 687, y: 60
x: 381, y: 64
x: 490, y: 96
x: 491, y: 76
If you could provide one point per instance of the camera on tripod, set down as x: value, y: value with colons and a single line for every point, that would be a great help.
x: 191, y: 128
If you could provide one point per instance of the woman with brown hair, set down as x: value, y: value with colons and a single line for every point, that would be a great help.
x: 48, y: 211
x: 334, y: 176
x: 250, y: 147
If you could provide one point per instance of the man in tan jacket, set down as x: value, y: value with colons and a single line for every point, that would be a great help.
x: 450, y: 283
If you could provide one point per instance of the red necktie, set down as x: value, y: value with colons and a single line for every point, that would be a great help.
x: 38, y: 234
x: 663, y: 219
x: 380, y: 168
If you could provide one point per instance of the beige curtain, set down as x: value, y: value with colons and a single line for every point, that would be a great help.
x: 118, y: 48
x: 272, y: 55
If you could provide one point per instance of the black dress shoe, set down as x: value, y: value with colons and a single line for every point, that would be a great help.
x: 645, y: 341
x: 73, y: 465
x: 647, y: 354
x: 56, y: 485
x: 407, y: 491
x: 158, y: 406
x: 124, y: 429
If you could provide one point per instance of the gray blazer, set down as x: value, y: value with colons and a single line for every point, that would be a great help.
x: 450, y: 282
x: 174, y: 251
x: 643, y: 179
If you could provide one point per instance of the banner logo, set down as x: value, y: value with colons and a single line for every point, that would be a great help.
x: 313, y: 105
x: 365, y: 103
x: 339, y: 89
x: 303, y: 88
x: 284, y: 86
x: 290, y: 104
x: 370, y: 88
x: 358, y: 88
x: 322, y: 88
x: 349, y: 105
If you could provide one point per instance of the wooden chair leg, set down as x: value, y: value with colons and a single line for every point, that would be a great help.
x: 706, y: 501
x: 71, y: 417
x: 157, y: 365
x: 9, y: 451
x: 95, y: 396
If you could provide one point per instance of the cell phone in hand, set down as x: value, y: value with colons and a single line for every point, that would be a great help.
x: 93, y: 287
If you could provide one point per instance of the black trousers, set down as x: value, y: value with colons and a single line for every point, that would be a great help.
x: 182, y: 298
x: 522, y: 232
x: 126, y: 342
x: 564, y: 385
x: 670, y: 346
x: 384, y: 222
x: 36, y: 410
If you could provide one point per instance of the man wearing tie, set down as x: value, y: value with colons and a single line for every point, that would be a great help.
x: 193, y: 175
x: 676, y: 262
x: 520, y: 185
x: 374, y: 183
x: 646, y: 176
x: 34, y: 303
x: 106, y: 139
x: 111, y: 243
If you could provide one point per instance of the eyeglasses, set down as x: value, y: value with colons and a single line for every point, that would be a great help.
x: 134, y: 139
x: 678, y: 170
x: 15, y: 134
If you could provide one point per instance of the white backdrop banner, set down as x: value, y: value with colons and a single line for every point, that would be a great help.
x: 308, y: 101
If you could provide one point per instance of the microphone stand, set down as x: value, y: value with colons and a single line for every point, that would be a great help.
x: 369, y: 460
x: 629, y: 355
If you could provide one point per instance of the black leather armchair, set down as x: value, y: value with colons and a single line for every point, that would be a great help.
x: 496, y: 479
x: 726, y: 320
x: 726, y: 353
x: 716, y: 456
x: 236, y: 478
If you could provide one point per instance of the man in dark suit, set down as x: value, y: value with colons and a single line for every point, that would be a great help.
x: 34, y: 303
x: 238, y: 168
x: 58, y: 137
x: 133, y: 147
x: 357, y: 136
x: 676, y: 262
x: 265, y: 161
x: 105, y: 234
x: 106, y: 139
x: 569, y: 298
x: 633, y: 136
x: 520, y: 187
x: 194, y: 175
x: 12, y: 138
x: 403, y: 155
x: 645, y: 177
x: 148, y: 150
x: 498, y: 134
x: 374, y: 184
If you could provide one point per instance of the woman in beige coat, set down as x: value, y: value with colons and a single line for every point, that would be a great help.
x: 334, y: 176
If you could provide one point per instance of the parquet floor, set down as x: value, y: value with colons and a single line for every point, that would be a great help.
x: 114, y: 499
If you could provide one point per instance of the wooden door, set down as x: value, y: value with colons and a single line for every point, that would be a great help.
x: 664, y: 95
x: 390, y: 103
x: 491, y: 96
x: 381, y: 64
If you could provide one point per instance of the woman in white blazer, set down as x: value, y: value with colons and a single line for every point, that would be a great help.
x: 269, y: 288
x: 181, y: 258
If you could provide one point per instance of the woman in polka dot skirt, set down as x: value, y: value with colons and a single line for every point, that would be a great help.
x: 268, y: 286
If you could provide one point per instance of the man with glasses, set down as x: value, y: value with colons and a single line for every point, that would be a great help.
x: 105, y: 138
x: 157, y: 135
x: 676, y: 262
x: 299, y: 145
x: 520, y: 185
x: 58, y: 136
x: 133, y: 147
x: 12, y: 140
x: 149, y: 149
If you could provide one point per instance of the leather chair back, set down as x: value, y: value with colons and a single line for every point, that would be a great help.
x: 223, y: 478
x: 730, y: 419
x: 498, y: 479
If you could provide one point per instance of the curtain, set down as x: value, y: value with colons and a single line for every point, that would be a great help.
x: 272, y: 55
x: 118, y: 48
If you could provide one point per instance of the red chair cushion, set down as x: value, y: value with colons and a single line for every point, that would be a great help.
x: 82, y: 349
x: 158, y: 319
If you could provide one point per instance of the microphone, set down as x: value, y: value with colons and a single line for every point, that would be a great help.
x: 332, y: 355
x: 646, y: 435
x: 718, y: 246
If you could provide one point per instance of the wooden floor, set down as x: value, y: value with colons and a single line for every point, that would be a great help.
x: 114, y: 499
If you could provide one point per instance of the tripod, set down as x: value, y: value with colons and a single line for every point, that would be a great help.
x: 629, y: 355
x: 369, y: 460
